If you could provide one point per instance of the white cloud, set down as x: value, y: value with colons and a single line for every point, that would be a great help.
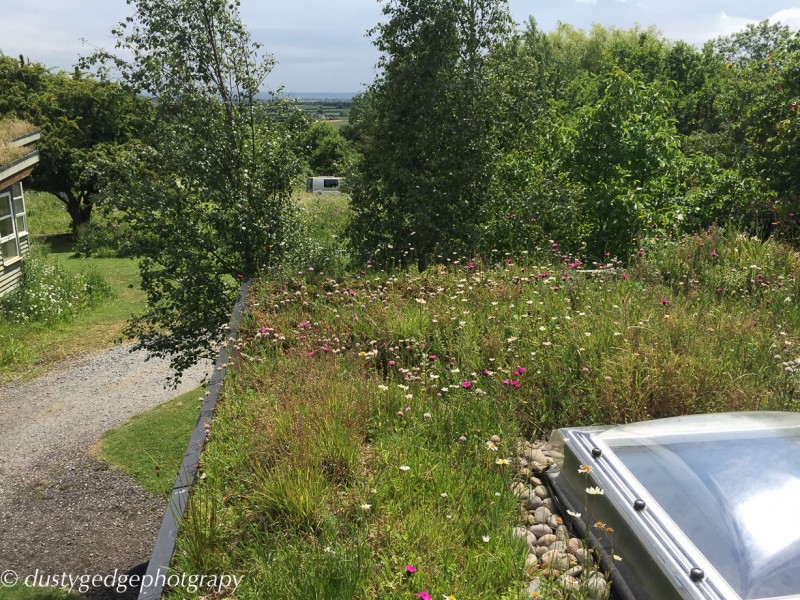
x: 788, y: 16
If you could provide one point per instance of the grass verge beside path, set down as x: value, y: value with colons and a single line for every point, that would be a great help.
x: 22, y: 592
x: 150, y: 446
x: 39, y: 346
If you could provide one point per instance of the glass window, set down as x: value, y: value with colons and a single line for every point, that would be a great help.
x: 331, y: 183
x: 9, y: 246
x: 9, y: 249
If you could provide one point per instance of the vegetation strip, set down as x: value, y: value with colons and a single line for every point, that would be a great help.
x: 168, y: 533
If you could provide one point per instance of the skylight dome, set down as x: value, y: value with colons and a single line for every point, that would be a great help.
x: 702, y: 506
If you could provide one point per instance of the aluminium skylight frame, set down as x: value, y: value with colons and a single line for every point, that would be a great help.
x: 658, y: 560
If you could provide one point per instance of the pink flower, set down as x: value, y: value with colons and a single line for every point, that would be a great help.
x: 411, y: 569
x: 470, y: 267
x: 392, y: 363
x: 466, y: 384
x: 304, y: 324
x: 511, y: 382
x: 431, y: 357
x: 424, y: 595
x: 664, y: 301
x: 519, y: 371
x: 714, y: 254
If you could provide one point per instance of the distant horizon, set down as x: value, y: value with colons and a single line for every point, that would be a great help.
x: 324, y: 46
x: 313, y: 95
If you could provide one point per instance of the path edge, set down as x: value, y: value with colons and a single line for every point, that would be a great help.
x: 155, y: 580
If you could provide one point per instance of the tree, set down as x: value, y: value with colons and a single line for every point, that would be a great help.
x: 759, y: 105
x: 325, y: 150
x: 82, y: 119
x: 210, y: 189
x: 431, y: 134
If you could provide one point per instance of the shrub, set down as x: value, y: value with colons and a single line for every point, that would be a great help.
x: 49, y: 294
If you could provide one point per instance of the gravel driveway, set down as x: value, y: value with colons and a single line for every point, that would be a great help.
x: 61, y: 510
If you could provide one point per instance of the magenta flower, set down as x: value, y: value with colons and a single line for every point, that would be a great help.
x: 431, y: 357
x: 392, y: 363
x: 303, y: 323
x: 411, y: 569
x: 470, y: 267
x: 424, y: 595
x: 664, y: 301
x: 519, y: 371
x: 511, y: 382
x: 466, y: 384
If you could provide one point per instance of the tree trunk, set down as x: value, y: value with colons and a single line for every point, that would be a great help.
x: 80, y: 210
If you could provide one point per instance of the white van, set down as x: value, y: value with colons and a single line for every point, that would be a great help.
x: 323, y: 185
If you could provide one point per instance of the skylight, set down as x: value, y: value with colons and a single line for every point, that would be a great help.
x: 703, y: 506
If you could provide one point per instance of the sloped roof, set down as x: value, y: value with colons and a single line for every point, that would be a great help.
x: 18, y: 152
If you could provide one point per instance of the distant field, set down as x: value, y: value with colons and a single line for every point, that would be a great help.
x: 338, y: 123
x: 335, y: 110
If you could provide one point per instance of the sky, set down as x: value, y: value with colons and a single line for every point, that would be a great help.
x: 322, y: 46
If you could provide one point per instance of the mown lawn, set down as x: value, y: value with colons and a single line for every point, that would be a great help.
x: 370, y: 425
x: 150, y: 446
x: 22, y: 592
x: 30, y: 349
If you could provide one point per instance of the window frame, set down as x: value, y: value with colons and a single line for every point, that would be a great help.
x: 19, y: 210
x: 6, y: 260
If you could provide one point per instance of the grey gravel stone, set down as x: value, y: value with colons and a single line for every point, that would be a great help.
x: 541, y: 530
x: 541, y: 492
x: 554, y: 554
x: 533, y: 503
x: 63, y: 510
x: 542, y: 514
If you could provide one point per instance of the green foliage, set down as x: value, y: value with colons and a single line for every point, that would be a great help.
x: 49, y: 294
x: 83, y: 122
x: 760, y: 104
x: 609, y: 176
x: 209, y: 191
x: 326, y: 151
x: 430, y: 130
x: 531, y: 203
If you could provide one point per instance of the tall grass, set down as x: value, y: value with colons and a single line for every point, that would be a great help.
x: 371, y: 421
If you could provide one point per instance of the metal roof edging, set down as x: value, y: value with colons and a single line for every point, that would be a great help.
x: 164, y: 547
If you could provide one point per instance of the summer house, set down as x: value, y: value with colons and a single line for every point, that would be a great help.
x: 18, y: 155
